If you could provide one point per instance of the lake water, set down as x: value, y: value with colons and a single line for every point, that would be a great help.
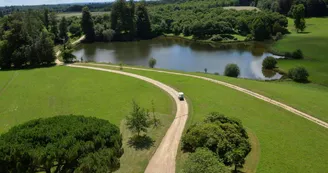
x: 179, y: 54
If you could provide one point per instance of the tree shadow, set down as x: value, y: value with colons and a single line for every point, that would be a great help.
x: 29, y: 67
x: 304, y: 32
x: 140, y: 142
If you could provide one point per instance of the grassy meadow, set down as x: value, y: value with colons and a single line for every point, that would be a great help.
x: 287, y: 142
x: 313, y: 42
x: 79, y: 14
x: 46, y: 92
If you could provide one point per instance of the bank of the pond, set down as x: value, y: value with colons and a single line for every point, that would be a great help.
x: 179, y: 54
x: 288, y: 143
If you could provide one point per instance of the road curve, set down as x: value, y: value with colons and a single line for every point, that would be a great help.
x: 251, y: 93
x: 163, y: 161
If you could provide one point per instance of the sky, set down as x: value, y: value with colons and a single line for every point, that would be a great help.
x: 40, y: 2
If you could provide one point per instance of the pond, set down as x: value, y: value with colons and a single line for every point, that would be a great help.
x: 180, y: 54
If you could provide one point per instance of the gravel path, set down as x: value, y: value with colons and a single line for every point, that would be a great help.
x: 251, y: 93
x: 163, y: 161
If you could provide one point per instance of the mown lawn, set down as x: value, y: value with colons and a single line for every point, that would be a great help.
x: 313, y: 43
x: 46, y: 92
x: 288, y: 143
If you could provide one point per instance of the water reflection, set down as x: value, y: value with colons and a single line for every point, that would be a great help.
x: 179, y: 54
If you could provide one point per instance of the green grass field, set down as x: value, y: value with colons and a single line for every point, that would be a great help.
x: 288, y: 143
x: 46, y: 92
x: 79, y: 14
x: 313, y: 43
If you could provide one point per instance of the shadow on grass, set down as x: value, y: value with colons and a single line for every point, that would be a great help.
x: 140, y: 142
x: 304, y: 32
x: 30, y: 67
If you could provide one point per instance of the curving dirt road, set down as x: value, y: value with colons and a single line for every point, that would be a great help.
x: 163, y: 161
x: 251, y: 93
x: 74, y: 43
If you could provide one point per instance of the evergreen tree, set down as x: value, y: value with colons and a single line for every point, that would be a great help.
x: 87, y: 24
x: 46, y: 18
x: 54, y: 25
x: 63, y: 29
x: 143, y: 23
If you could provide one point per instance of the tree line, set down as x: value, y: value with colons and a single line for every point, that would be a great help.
x: 204, y: 21
x: 313, y: 8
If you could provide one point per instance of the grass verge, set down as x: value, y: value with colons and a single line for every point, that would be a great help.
x: 313, y: 43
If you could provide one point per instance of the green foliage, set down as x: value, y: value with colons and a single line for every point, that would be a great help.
x: 138, y: 120
x: 143, y: 23
x: 108, y: 35
x: 46, y: 18
x: 216, y: 38
x: 87, y: 25
x: 24, y: 41
x: 298, y: 54
x: 203, y: 160
x: 63, y: 28
x: 298, y: 12
x: 261, y: 31
x: 53, y: 25
x: 152, y: 62
x: 298, y: 74
x: 226, y: 137
x: 232, y: 70
x: 67, y: 53
x: 75, y: 29
x: 61, y: 144
x: 269, y: 62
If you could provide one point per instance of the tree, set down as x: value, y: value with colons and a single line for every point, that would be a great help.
x: 155, y: 121
x: 269, y: 62
x: 87, y: 25
x: 298, y: 54
x: 232, y: 70
x: 285, y: 6
x: 70, y: 143
x: 66, y: 52
x: 260, y: 30
x: 298, y: 12
x: 205, y: 70
x: 203, y: 160
x: 63, y: 29
x: 44, y: 48
x: 143, y: 23
x: 46, y: 18
x: 152, y: 62
x: 53, y: 25
x: 316, y: 8
x: 226, y: 137
x: 137, y: 121
x: 108, y: 35
x: 75, y: 29
x: 298, y: 74
x: 122, y: 18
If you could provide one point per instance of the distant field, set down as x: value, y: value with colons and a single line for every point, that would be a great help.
x: 242, y: 8
x: 79, y: 14
x: 314, y: 44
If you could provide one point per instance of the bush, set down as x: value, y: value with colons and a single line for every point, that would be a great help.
x: 212, y: 132
x: 278, y: 36
x: 269, y: 62
x: 298, y: 74
x: 203, y: 161
x: 66, y: 143
x: 75, y: 29
x: 216, y: 38
x: 288, y: 55
x: 152, y: 62
x: 298, y: 54
x: 232, y: 70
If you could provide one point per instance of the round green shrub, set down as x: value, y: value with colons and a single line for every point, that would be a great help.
x: 269, y: 62
x: 232, y: 70
x: 152, y: 62
x: 298, y: 74
x: 298, y: 54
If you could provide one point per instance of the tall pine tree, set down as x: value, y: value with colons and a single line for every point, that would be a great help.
x: 143, y: 23
x: 87, y: 25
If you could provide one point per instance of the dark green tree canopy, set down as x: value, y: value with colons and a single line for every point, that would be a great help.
x: 87, y: 24
x: 61, y: 144
x: 143, y: 23
x: 224, y: 136
x: 232, y: 70
x: 269, y: 62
